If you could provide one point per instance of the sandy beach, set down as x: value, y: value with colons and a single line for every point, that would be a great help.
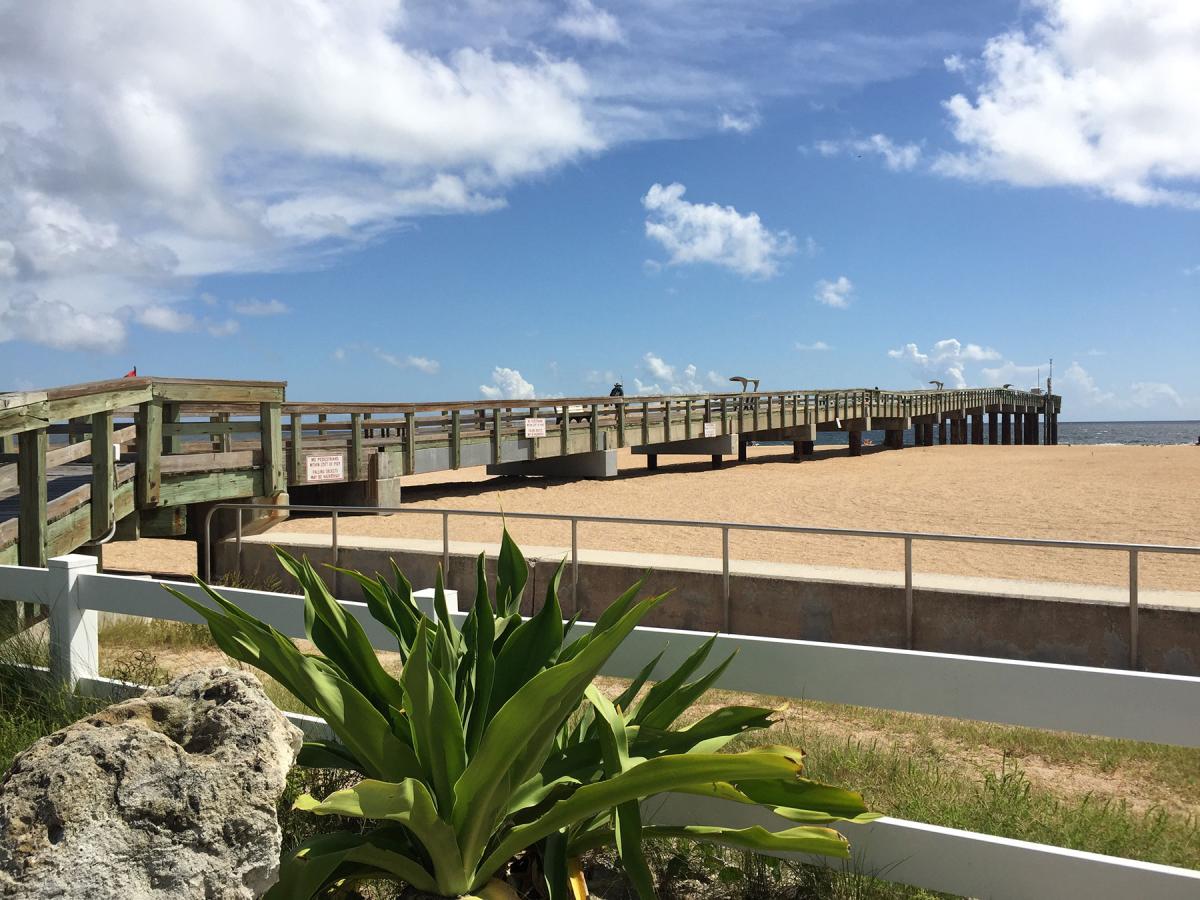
x: 1109, y: 493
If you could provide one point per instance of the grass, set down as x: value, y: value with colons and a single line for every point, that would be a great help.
x: 906, y: 766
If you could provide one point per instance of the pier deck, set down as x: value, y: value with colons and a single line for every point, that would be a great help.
x: 146, y: 454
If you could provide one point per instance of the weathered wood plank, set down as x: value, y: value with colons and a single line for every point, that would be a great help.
x: 295, y: 446
x: 410, y: 444
x: 171, y: 441
x: 22, y: 418
x: 149, y: 450
x: 208, y: 461
x: 31, y: 480
x: 455, y: 439
x: 167, y: 521
x: 219, y: 391
x: 357, y: 470
x: 194, y: 488
x: 104, y: 481
x: 273, y: 463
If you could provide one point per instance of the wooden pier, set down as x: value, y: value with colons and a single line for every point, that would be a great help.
x: 144, y: 455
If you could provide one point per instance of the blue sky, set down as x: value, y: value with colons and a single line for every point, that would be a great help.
x: 374, y: 201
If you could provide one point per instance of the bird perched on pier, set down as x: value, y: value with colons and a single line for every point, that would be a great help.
x: 1005, y: 387
x: 938, y: 385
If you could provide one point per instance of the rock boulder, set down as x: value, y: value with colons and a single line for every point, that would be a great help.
x: 172, y: 794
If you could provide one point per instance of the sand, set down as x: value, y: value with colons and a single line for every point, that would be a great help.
x: 1106, y: 493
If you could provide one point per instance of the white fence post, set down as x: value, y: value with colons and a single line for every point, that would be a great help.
x: 74, y: 650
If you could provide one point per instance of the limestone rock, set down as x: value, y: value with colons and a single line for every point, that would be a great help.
x: 171, y: 794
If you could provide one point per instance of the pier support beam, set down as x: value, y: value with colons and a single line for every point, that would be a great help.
x: 594, y: 464
x: 893, y: 439
x: 1053, y: 429
x: 977, y: 427
x: 1018, y: 434
x: 714, y: 447
x: 993, y: 429
x: 943, y: 432
x: 808, y: 447
x: 1006, y: 429
x: 856, y: 443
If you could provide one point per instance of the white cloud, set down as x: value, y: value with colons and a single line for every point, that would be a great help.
x: 677, y: 379
x: 1019, y: 376
x: 585, y: 21
x: 1148, y: 394
x: 420, y: 363
x: 835, y: 293
x: 260, y: 308
x: 507, y: 384
x: 1077, y: 385
x: 1191, y: 270
x: 59, y: 325
x: 1098, y: 94
x: 814, y: 346
x: 954, y: 63
x: 946, y: 361
x: 741, y: 122
x: 213, y: 138
x: 897, y: 157
x: 165, y: 318
x: 709, y: 233
x: 339, y: 354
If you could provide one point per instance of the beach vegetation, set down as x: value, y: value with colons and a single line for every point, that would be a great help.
x: 492, y: 761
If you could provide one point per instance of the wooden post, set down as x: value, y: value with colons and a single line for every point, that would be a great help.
x: 993, y: 430
x: 497, y: 424
x: 225, y: 441
x: 31, y: 483
x: 274, y: 470
x: 356, y: 447
x: 149, y: 451
x: 645, y: 421
x: 564, y: 431
x: 687, y: 417
x: 1006, y: 428
x: 8, y: 444
x: 75, y: 431
x: 943, y: 437
x: 620, y: 423
x: 666, y: 420
x: 724, y: 415
x: 856, y: 443
x: 595, y: 427
x: 172, y: 443
x: 455, y: 438
x: 296, y: 450
x: 410, y: 442
x: 103, y: 473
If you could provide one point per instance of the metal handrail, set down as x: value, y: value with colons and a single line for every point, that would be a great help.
x: 908, y: 538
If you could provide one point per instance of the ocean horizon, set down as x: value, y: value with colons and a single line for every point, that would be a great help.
x: 1145, y: 433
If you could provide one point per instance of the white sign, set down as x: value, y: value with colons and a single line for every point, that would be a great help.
x: 329, y: 467
x: 535, y: 428
x: 710, y: 429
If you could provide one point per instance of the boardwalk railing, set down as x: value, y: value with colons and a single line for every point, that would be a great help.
x: 908, y: 538
x: 1105, y: 702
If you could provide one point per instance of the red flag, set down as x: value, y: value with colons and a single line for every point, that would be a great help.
x: 132, y: 373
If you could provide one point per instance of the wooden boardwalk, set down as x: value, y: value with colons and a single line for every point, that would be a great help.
x: 185, y: 443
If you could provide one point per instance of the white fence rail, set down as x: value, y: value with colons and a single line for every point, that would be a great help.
x: 1106, y: 702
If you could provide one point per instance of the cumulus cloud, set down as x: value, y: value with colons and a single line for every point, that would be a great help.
x: 1098, y: 94
x: 223, y: 328
x: 1148, y: 394
x: 814, y: 346
x: 260, y: 308
x: 709, y: 233
x: 507, y: 384
x: 165, y: 318
x: 671, y: 379
x: 897, y: 157
x: 59, y: 325
x: 249, y: 137
x: 945, y: 361
x: 585, y: 21
x: 834, y: 293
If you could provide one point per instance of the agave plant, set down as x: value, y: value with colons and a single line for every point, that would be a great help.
x: 494, y: 745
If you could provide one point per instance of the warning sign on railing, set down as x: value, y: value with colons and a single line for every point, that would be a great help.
x: 710, y: 429
x: 535, y: 428
x: 326, y: 467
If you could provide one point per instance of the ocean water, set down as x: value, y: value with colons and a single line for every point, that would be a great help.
x: 1146, y: 433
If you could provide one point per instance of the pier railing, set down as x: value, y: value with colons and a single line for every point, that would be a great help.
x: 1104, y: 702
x: 907, y: 538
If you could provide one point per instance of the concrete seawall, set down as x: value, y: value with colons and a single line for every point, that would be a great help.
x: 1071, y: 624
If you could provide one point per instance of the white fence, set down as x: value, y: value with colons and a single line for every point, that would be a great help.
x: 1106, y: 702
